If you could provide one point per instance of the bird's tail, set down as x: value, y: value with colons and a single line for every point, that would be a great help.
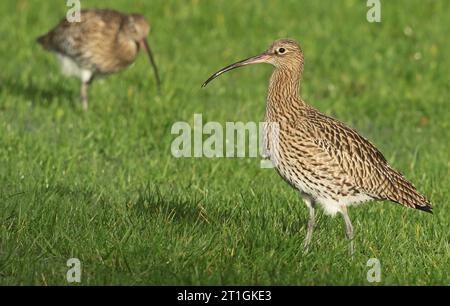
x: 44, y: 41
x: 403, y: 192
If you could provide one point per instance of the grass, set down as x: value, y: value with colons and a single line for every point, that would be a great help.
x: 103, y: 187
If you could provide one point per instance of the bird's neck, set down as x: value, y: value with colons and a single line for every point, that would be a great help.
x: 283, y: 97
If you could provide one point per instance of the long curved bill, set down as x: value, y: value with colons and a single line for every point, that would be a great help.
x: 262, y: 58
x: 152, y: 61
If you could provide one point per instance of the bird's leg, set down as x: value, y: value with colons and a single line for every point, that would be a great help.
x: 84, y: 95
x: 311, y: 221
x: 86, y: 79
x: 348, y: 228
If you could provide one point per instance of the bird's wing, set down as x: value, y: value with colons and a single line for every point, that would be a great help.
x: 71, y: 38
x: 363, y: 166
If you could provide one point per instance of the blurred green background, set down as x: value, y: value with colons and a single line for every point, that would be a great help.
x: 103, y: 187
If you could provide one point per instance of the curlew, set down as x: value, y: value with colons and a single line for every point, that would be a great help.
x: 329, y: 163
x: 101, y: 43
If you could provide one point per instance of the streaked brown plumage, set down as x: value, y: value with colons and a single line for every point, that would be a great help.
x: 103, y: 42
x: 328, y: 162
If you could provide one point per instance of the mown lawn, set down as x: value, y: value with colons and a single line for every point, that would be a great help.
x: 103, y: 186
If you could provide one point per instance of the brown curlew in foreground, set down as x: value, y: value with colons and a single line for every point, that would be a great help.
x: 329, y: 163
x: 101, y: 43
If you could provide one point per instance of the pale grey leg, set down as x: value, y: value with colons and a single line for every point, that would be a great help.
x: 84, y: 95
x: 311, y: 221
x: 86, y: 79
x: 348, y: 229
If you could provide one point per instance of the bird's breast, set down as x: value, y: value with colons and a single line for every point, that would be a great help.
x: 283, y: 146
x: 108, y: 57
x: 121, y: 57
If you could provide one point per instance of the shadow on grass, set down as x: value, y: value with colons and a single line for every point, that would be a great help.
x: 38, y: 94
x: 171, y: 206
x: 183, y: 206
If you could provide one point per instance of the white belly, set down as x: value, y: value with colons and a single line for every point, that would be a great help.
x: 330, y: 206
x: 70, y: 67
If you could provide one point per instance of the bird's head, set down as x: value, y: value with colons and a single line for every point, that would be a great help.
x: 284, y: 54
x: 137, y: 28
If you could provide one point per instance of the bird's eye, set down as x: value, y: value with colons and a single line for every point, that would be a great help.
x: 281, y: 50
